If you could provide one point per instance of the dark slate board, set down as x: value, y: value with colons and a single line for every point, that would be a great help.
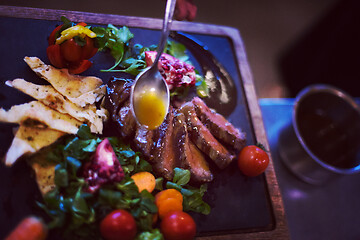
x: 239, y: 204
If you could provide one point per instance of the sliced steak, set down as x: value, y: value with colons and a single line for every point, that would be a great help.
x: 125, y: 121
x: 221, y: 128
x: 117, y: 92
x: 203, y: 139
x: 164, y: 159
x: 144, y: 142
x: 190, y: 157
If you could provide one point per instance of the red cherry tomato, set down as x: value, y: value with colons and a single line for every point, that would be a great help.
x: 89, y: 50
x: 119, y: 224
x: 80, y: 67
x: 54, y: 55
x: 253, y: 160
x: 82, y: 24
x: 178, y: 225
x: 52, y: 36
x: 71, y: 51
x: 70, y: 54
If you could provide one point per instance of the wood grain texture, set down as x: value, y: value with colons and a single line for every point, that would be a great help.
x: 280, y: 230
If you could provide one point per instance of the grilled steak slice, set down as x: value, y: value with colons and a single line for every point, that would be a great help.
x: 190, y: 157
x: 117, y: 92
x: 164, y: 149
x: 221, y: 128
x: 143, y: 141
x: 125, y: 121
x: 203, y: 139
x: 117, y: 102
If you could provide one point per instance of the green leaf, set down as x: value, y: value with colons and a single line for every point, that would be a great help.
x: 52, y: 199
x: 154, y: 234
x: 99, y: 31
x: 55, y: 154
x: 65, y: 20
x: 142, y: 165
x: 84, y: 132
x: 192, y: 196
x: 124, y: 34
x: 58, y: 219
x: 80, y: 41
x: 177, y: 50
x: 79, y: 205
x: 159, y: 182
x: 80, y: 149
x: 109, y: 197
x: 193, y: 200
x: 136, y: 66
x: 127, y: 153
x: 174, y: 186
x: 148, y: 202
x: 91, y: 145
x: 74, y: 165
x: 61, y: 176
x: 202, y: 89
x: 181, y: 176
x: 128, y: 187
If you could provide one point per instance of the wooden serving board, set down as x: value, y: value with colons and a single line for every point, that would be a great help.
x: 242, y: 207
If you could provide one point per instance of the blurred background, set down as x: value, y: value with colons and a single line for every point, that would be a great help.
x: 289, y: 43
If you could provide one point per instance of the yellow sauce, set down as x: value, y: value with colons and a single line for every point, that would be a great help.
x: 150, y: 109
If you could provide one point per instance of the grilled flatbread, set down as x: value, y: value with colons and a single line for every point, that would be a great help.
x: 90, y: 97
x: 45, y: 174
x: 49, y: 96
x: 29, y: 140
x: 36, y: 114
x: 53, y: 99
x: 69, y: 85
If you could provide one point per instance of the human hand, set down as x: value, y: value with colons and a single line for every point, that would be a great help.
x: 185, y: 9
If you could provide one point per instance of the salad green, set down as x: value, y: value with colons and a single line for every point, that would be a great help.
x: 76, y: 214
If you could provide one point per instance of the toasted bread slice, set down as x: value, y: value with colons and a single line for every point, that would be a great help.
x: 45, y: 174
x: 36, y: 114
x: 53, y: 99
x: 28, y: 140
x: 69, y: 85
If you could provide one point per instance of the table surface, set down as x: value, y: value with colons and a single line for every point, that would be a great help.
x: 327, y: 212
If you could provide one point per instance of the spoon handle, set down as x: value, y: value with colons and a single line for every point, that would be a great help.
x: 169, y: 13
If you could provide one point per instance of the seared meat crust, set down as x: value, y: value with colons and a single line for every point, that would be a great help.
x: 190, y: 157
x: 164, y: 156
x: 221, y: 128
x: 125, y: 121
x: 144, y: 142
x: 117, y: 92
x: 203, y: 139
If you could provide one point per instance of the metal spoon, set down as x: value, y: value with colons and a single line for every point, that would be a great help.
x: 150, y: 79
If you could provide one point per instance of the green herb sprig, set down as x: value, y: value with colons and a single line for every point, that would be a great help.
x: 118, y: 42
